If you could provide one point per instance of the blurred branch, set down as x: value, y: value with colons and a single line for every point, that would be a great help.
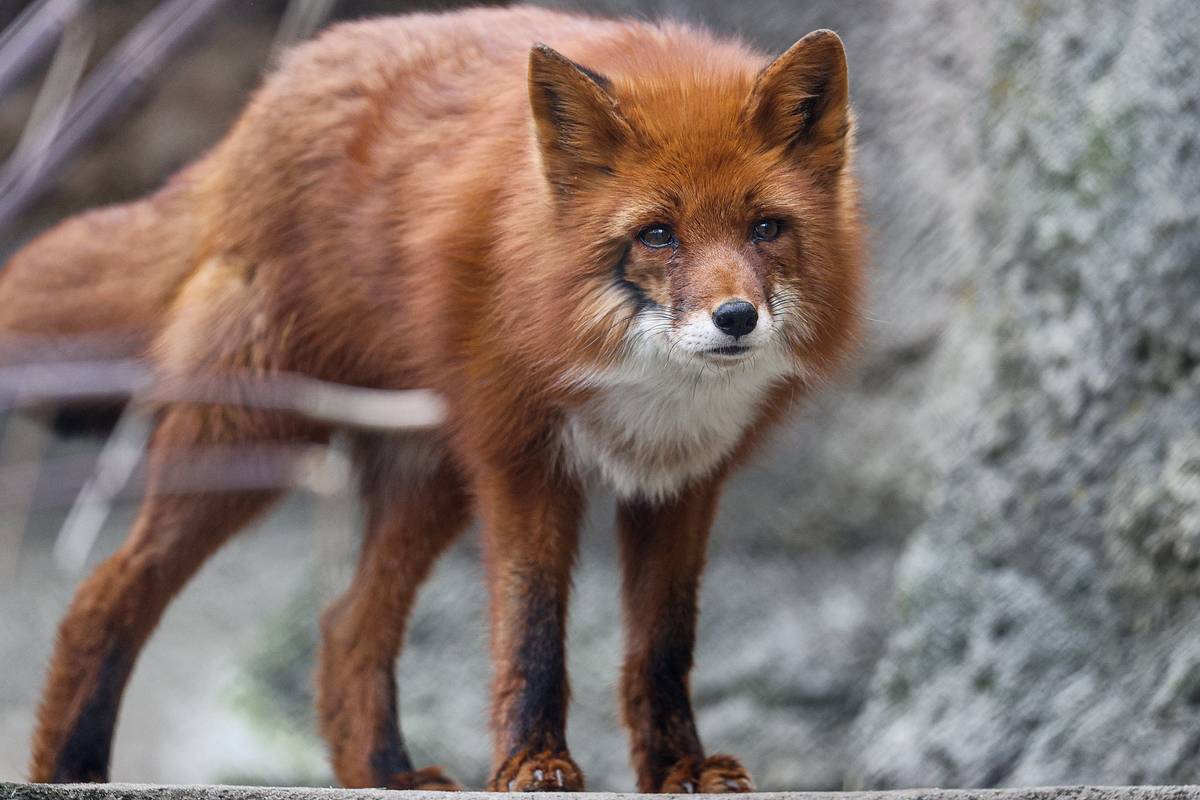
x: 31, y: 36
x: 319, y: 469
x: 113, y: 85
x: 323, y: 470
x: 208, y: 469
x: 57, y: 90
x: 32, y: 385
x: 29, y: 385
x: 29, y: 443
x: 120, y: 456
x: 204, y: 469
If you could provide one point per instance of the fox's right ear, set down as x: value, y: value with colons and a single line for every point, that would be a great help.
x: 576, y: 118
x: 801, y: 100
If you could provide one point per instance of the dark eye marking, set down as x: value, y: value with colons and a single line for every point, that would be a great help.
x: 621, y: 275
x: 765, y: 230
x: 657, y: 236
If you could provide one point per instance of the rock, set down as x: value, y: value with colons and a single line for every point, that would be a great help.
x: 1044, y: 617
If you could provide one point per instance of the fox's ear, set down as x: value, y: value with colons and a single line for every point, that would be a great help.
x: 578, y: 125
x: 802, y: 100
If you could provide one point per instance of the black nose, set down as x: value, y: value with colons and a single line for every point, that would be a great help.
x: 735, y: 317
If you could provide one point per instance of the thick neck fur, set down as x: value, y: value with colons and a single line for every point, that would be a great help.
x: 594, y: 344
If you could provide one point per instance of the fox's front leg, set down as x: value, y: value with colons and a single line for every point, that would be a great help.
x: 530, y: 534
x: 662, y: 553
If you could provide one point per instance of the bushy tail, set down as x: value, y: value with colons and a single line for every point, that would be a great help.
x: 97, y: 286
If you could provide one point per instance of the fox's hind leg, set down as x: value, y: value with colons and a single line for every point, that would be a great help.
x: 117, y: 607
x: 415, y: 505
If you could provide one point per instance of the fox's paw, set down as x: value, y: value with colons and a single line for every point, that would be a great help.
x: 537, y: 772
x: 713, y: 775
x: 430, y: 779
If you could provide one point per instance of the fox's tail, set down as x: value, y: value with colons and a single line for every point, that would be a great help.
x: 97, y: 286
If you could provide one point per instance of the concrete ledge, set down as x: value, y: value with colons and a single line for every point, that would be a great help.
x: 133, y: 791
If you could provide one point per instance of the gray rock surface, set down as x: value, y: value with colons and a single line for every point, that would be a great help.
x: 1045, y: 612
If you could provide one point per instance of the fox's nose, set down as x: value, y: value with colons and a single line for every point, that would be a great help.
x: 735, y: 317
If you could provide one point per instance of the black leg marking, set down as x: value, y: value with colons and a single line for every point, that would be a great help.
x: 389, y: 756
x: 85, y: 754
x: 539, y: 718
x: 672, y: 733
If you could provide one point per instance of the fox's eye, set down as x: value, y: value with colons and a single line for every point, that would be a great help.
x: 765, y: 230
x: 657, y: 236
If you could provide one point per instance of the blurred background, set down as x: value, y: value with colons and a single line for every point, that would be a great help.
x: 975, y: 562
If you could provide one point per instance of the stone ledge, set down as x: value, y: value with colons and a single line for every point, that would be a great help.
x: 133, y: 791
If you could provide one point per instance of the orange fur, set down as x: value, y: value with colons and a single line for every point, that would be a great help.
x: 425, y: 201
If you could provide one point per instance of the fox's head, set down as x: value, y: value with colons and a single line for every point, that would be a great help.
x: 711, y: 199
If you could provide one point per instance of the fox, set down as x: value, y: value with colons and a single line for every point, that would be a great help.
x: 619, y: 250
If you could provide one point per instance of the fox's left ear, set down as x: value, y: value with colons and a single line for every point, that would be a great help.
x: 802, y: 100
x: 578, y: 125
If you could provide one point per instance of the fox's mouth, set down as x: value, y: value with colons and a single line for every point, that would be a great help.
x: 728, y: 351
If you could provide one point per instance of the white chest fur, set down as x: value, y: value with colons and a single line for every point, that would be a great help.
x: 650, y: 429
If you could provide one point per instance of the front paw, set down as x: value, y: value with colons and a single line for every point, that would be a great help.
x: 713, y: 775
x: 537, y: 772
x: 429, y: 779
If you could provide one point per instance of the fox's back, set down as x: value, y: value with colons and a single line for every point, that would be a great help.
x: 341, y: 139
x: 374, y: 101
x: 365, y: 176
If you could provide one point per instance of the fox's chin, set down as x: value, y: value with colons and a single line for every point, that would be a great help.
x: 738, y: 361
x: 728, y: 355
x: 728, y: 352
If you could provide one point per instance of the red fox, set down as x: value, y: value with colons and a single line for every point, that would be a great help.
x: 619, y: 257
